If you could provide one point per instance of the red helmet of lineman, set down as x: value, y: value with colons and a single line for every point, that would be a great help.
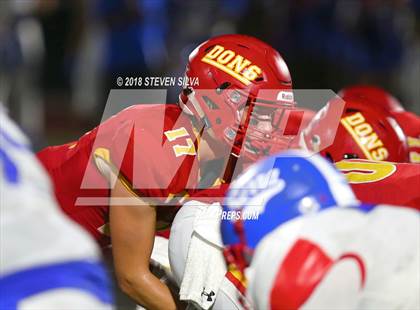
x: 375, y: 95
x: 380, y: 99
x: 243, y: 86
x: 361, y: 132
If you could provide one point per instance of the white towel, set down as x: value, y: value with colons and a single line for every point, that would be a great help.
x: 205, y: 268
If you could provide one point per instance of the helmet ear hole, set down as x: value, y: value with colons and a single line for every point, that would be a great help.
x: 218, y: 121
x: 350, y: 156
x: 222, y: 87
x: 351, y: 110
x: 187, y: 91
x: 209, y: 48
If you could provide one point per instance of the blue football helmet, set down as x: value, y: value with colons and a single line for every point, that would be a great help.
x: 275, y: 191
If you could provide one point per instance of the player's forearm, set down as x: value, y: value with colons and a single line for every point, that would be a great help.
x: 148, y: 291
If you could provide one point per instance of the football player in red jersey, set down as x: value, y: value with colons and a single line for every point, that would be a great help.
x: 151, y: 151
x: 380, y: 99
x: 369, y: 147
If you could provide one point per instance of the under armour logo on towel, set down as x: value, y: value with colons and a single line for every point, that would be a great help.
x: 209, y: 295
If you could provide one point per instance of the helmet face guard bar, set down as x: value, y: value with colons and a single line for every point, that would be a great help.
x: 258, y: 142
x: 275, y: 109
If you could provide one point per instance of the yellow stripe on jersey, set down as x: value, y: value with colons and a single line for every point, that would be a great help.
x: 358, y: 172
x: 237, y: 274
x: 104, y: 154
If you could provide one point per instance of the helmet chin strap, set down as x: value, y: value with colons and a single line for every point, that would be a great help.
x: 203, y: 119
x: 238, y: 144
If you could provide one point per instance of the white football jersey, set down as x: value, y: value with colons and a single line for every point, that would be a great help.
x: 34, y: 232
x: 340, y: 258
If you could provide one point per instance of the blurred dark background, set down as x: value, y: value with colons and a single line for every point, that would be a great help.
x: 60, y: 58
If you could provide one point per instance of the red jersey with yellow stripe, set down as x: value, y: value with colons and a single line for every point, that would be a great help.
x: 150, y: 148
x: 382, y: 182
x: 376, y: 182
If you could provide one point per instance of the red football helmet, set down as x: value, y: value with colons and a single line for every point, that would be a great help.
x: 244, y: 85
x: 361, y: 132
x: 378, y: 98
x: 375, y: 95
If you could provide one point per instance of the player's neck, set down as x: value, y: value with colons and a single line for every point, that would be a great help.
x: 205, y: 151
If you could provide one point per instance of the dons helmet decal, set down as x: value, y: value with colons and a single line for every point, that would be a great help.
x: 364, y: 135
x: 233, y: 64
